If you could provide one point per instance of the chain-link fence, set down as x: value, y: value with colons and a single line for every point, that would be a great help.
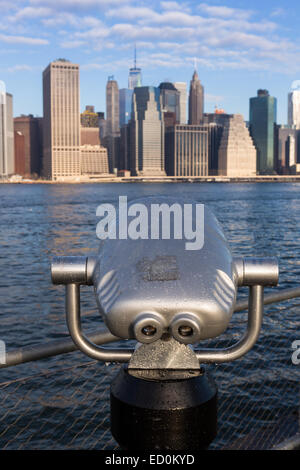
x: 64, y: 402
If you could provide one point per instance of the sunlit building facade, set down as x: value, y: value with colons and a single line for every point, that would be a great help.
x: 187, y: 150
x: 61, y: 130
x: 236, y: 154
x: 94, y: 161
x: 112, y: 107
x: 7, y: 163
x: 288, y: 148
x: 147, y: 133
x: 294, y: 106
x: 181, y: 87
x: 196, y: 100
x: 112, y: 133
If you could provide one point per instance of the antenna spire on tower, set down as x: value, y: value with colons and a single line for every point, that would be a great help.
x: 135, y: 55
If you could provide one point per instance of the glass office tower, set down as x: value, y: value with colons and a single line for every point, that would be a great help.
x: 170, y: 99
x: 125, y: 103
x: 262, y: 122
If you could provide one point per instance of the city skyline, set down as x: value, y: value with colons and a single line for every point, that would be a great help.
x: 145, y: 145
x: 238, y: 49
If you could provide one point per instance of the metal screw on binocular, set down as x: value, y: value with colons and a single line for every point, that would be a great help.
x: 168, y: 299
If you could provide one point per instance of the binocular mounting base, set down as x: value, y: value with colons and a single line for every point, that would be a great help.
x: 171, y: 412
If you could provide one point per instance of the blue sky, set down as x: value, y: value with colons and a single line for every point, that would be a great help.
x: 240, y: 46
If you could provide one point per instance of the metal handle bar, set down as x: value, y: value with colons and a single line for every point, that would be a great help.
x: 85, y: 345
x: 255, y: 315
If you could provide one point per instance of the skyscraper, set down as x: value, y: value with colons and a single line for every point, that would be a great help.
x: 196, y: 100
x: 112, y: 106
x: 262, y: 121
x: 112, y: 122
x: 61, y: 120
x: 147, y: 133
x: 7, y: 164
x: 181, y: 87
x: 94, y: 158
x: 30, y: 128
x: 170, y: 98
x: 19, y: 140
x: 94, y: 161
x: 102, y: 126
x: 125, y: 103
x: 187, y: 150
x: 237, y: 154
x: 135, y: 75
x: 294, y: 105
x: 125, y: 117
x: 288, y: 148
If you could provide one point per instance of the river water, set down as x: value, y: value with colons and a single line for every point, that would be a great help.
x: 39, y: 221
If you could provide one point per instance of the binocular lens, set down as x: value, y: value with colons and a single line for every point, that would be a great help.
x: 149, y: 330
x: 185, y: 330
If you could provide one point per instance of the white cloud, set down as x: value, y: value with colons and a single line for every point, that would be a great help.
x: 6, y: 5
x: 22, y: 40
x: 175, y: 6
x: 129, y: 31
x: 91, y: 66
x: 29, y: 13
x: 278, y: 12
x: 132, y: 13
x: 224, y: 11
x: 110, y: 66
x: 147, y: 16
x: 72, y: 44
x: 215, y: 99
x: 75, y: 21
x: 168, y: 33
x: 91, y: 22
x: 93, y: 33
x: 78, y: 4
x: 20, y: 68
x: 240, y: 39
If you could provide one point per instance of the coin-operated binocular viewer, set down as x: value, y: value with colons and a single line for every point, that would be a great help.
x: 167, y: 298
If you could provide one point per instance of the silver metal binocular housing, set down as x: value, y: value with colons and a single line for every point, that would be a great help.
x: 149, y: 288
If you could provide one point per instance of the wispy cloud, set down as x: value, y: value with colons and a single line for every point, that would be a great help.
x: 78, y: 4
x: 224, y: 11
x: 215, y: 99
x: 72, y: 44
x: 277, y: 12
x: 218, y: 35
x: 6, y: 5
x: 182, y: 6
x: 22, y: 40
x: 29, y: 13
x: 22, y: 68
x: 72, y: 20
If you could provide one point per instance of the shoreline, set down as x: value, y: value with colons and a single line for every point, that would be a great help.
x: 169, y: 179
